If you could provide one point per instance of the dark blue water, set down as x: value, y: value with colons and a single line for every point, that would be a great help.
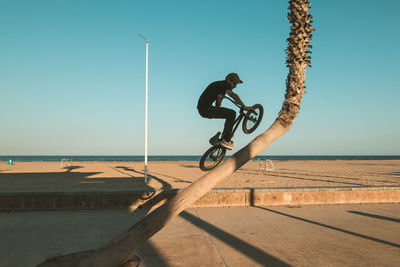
x: 186, y: 158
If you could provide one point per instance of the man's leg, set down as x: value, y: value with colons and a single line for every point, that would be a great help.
x: 222, y: 113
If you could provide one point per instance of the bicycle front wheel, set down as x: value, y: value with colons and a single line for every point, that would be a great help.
x: 252, y: 120
x: 212, y: 157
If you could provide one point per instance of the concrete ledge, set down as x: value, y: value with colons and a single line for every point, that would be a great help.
x: 73, y: 200
x: 27, y: 201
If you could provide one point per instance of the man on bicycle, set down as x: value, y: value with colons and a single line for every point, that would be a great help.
x: 215, y: 93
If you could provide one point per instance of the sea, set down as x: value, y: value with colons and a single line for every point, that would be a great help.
x: 191, y: 158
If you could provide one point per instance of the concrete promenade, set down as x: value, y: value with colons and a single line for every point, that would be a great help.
x: 314, y: 235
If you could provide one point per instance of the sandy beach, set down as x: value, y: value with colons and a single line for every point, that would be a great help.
x: 54, y: 176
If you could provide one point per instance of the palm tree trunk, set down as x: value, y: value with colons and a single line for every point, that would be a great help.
x: 118, y: 252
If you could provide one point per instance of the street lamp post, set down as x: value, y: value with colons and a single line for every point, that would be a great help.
x: 145, y: 116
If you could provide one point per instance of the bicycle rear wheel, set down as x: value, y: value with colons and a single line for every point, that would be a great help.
x: 252, y: 120
x: 212, y: 157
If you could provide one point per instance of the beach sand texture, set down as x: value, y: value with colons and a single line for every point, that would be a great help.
x: 53, y: 176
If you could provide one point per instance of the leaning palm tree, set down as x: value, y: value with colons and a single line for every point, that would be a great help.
x: 120, y: 252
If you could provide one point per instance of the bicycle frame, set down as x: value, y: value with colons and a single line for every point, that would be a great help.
x: 238, y: 121
x: 239, y: 118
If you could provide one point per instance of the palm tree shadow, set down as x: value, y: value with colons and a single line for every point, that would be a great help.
x: 238, y: 244
x: 307, y: 178
x: 70, y: 168
x: 165, y: 185
x: 375, y: 216
x: 189, y: 166
x: 332, y: 227
x: 150, y: 255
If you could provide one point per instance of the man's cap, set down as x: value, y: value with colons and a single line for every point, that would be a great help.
x: 233, y: 77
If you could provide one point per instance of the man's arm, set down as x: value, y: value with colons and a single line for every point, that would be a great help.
x: 238, y: 100
x: 218, y: 101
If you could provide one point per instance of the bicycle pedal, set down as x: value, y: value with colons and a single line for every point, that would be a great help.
x: 215, y: 139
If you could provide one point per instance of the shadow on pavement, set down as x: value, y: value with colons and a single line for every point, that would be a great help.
x: 165, y: 185
x: 70, y: 168
x: 67, y: 180
x: 375, y: 216
x: 150, y: 255
x: 332, y: 227
x: 245, y: 248
x: 279, y: 175
x: 76, y: 180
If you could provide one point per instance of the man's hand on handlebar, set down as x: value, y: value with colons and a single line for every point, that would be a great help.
x: 249, y: 109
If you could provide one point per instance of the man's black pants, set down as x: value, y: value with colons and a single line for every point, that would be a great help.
x: 221, y: 113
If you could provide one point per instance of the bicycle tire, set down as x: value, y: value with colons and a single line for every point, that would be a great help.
x: 256, y: 120
x: 209, y: 161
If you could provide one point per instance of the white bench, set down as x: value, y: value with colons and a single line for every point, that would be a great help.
x: 66, y: 163
x: 266, y: 165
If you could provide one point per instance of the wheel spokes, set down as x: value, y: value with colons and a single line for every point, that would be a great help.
x: 215, y: 157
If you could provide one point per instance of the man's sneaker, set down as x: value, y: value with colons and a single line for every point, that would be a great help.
x: 229, y: 145
x: 215, y: 139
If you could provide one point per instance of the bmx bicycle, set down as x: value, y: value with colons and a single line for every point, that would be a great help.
x: 251, y: 119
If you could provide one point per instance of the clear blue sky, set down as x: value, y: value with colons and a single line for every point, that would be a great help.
x: 73, y: 75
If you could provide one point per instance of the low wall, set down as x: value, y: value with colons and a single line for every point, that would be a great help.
x: 30, y: 201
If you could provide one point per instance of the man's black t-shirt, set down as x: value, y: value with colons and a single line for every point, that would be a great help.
x: 212, y: 91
